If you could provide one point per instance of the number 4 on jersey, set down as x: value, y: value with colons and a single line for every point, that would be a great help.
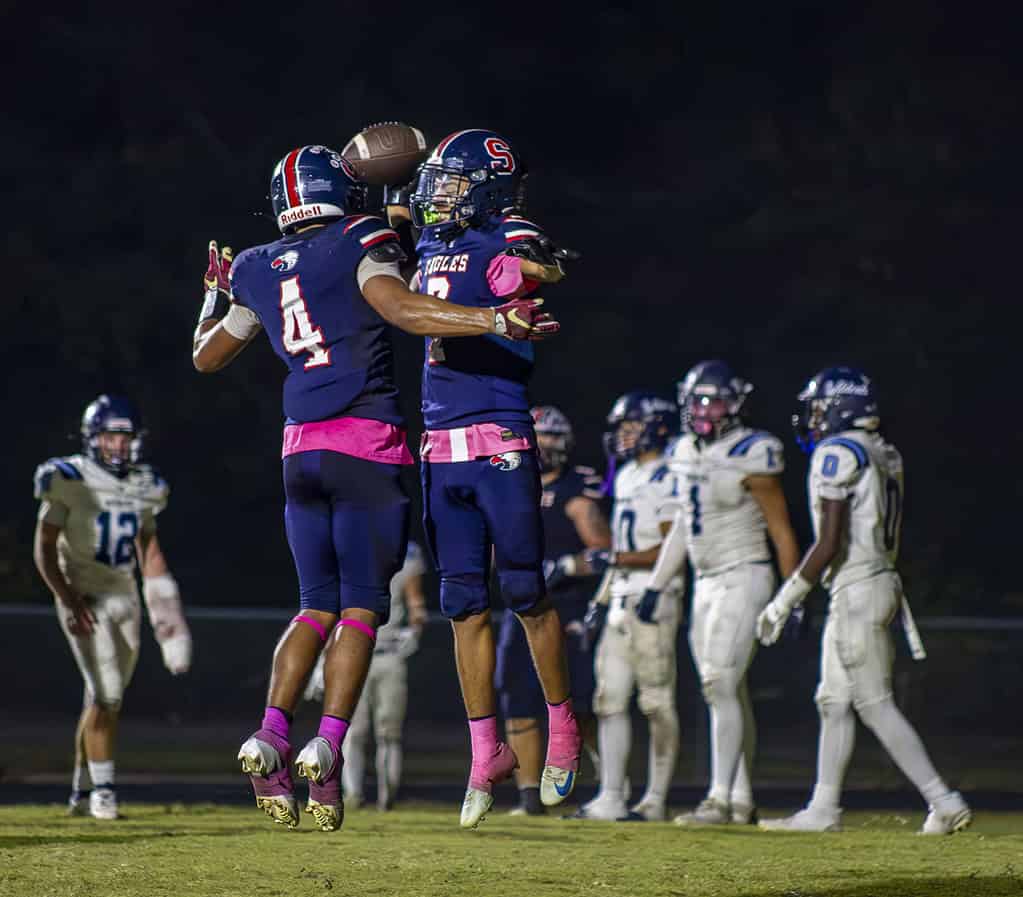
x: 300, y: 334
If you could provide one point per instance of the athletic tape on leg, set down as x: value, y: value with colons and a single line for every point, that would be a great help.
x: 364, y: 628
x: 311, y: 622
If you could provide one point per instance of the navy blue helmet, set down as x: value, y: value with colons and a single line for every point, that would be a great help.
x: 835, y: 399
x: 559, y: 439
x: 314, y: 183
x: 639, y: 422
x: 711, y: 397
x: 112, y: 414
x: 469, y: 176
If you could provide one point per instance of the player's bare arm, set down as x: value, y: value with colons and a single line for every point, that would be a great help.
x: 424, y: 315
x: 767, y: 491
x: 151, y: 558
x: 44, y: 554
x: 213, y: 346
x: 834, y: 517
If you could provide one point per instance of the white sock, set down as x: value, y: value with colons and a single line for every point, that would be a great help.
x: 834, y: 750
x: 903, y: 743
x: 388, y: 768
x: 663, y: 755
x: 935, y: 790
x: 614, y: 735
x: 353, y: 773
x: 102, y: 773
x: 725, y: 745
x: 742, y: 784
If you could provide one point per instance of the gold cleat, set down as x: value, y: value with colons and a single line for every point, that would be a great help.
x: 282, y: 810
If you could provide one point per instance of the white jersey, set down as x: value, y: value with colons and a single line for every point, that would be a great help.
x: 866, y: 471
x: 100, y: 516
x: 413, y: 566
x: 641, y: 494
x: 724, y: 524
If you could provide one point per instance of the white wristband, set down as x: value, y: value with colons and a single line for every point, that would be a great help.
x: 792, y: 592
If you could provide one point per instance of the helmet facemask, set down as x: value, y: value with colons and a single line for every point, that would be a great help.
x: 443, y: 195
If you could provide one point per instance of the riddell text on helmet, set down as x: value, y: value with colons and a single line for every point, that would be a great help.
x: 293, y: 215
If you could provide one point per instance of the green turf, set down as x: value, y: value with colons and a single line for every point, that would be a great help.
x: 177, y: 851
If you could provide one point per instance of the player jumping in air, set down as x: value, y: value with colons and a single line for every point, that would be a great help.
x: 636, y: 650
x: 325, y: 293
x: 574, y: 529
x: 855, y: 488
x: 729, y: 482
x: 96, y: 528
x: 481, y: 479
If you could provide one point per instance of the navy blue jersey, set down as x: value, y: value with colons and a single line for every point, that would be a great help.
x: 337, y: 348
x: 477, y: 379
x: 560, y: 535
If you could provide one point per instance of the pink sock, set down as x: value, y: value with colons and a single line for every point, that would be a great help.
x: 483, y: 735
x: 561, y: 718
x: 333, y: 728
x: 275, y: 720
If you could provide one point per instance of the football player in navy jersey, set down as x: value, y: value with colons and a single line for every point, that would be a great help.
x: 325, y: 293
x: 481, y: 479
x: 575, y: 527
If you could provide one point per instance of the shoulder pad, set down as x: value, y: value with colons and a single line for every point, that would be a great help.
x: 517, y: 229
x: 387, y: 251
x: 61, y: 468
x: 838, y: 462
x: 368, y: 230
x: 759, y: 453
x: 156, y: 487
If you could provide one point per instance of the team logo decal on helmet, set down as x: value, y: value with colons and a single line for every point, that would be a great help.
x: 469, y: 176
x: 112, y: 414
x: 835, y: 399
x: 711, y: 397
x: 639, y: 422
x: 313, y: 183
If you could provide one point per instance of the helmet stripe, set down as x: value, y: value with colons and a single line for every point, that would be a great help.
x: 290, y: 171
x: 443, y: 145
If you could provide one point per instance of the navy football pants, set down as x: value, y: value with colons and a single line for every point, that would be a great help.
x: 474, y: 508
x: 347, y: 521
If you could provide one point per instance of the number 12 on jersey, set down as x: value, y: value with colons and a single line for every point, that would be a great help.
x: 299, y: 332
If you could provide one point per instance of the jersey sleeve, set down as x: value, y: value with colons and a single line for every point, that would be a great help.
x: 759, y: 454
x: 665, y: 483
x: 590, y: 483
x: 836, y: 467
x: 367, y: 232
x: 50, y: 487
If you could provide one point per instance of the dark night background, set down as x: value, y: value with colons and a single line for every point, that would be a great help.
x: 782, y: 187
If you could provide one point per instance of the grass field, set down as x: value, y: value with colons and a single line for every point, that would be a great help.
x: 200, y: 850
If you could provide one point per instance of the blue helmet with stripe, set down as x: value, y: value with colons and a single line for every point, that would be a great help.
x: 469, y: 176
x: 314, y: 183
x: 711, y: 397
x: 834, y: 400
x: 112, y: 414
x: 639, y: 422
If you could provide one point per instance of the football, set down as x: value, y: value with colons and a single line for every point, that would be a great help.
x: 387, y: 153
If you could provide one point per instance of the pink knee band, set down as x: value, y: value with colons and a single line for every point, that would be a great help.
x: 311, y: 622
x: 364, y: 628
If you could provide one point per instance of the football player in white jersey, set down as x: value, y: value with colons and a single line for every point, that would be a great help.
x: 855, y: 488
x: 384, y: 698
x: 636, y: 649
x: 731, y: 501
x: 96, y: 527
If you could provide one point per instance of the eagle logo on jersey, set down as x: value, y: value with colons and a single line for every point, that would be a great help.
x: 285, y: 262
x: 506, y: 460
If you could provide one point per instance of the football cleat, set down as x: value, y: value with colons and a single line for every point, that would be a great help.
x: 479, y: 796
x: 647, y: 811
x: 561, y: 768
x: 809, y: 819
x: 78, y: 804
x: 265, y: 758
x: 103, y: 803
x: 602, y: 808
x: 318, y: 763
x: 946, y: 816
x: 744, y: 814
x: 709, y: 812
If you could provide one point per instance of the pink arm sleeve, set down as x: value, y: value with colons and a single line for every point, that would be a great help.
x: 504, y: 276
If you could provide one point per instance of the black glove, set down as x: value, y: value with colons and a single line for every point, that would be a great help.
x: 593, y: 623
x: 647, y: 606
x: 543, y: 251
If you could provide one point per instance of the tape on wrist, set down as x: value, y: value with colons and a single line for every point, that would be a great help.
x: 215, y: 305
x: 794, y: 591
